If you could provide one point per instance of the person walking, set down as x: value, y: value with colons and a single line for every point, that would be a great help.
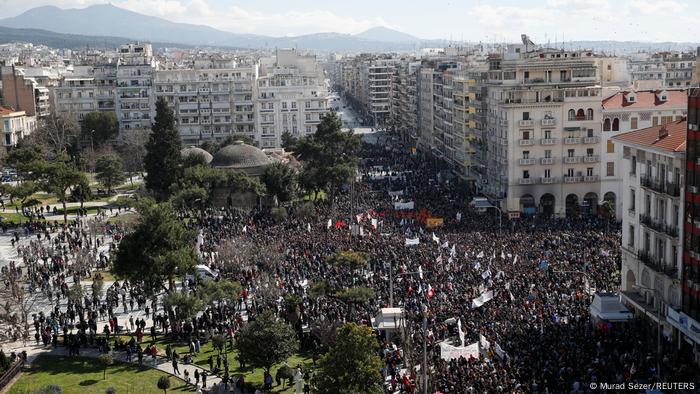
x: 175, y: 368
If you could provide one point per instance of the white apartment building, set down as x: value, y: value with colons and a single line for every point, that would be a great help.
x: 87, y: 89
x: 135, y: 98
x: 543, y: 131
x: 15, y: 125
x: 211, y: 99
x: 290, y: 97
x: 627, y: 111
x: 652, y: 210
x: 403, y: 102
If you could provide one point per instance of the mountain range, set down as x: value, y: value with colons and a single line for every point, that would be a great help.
x: 108, y: 25
x: 111, y: 21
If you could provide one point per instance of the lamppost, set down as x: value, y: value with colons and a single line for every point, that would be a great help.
x: 92, y: 147
x: 659, y: 350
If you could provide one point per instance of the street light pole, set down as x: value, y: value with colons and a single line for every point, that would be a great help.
x: 92, y: 145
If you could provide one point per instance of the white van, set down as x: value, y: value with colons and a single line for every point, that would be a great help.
x: 203, y: 272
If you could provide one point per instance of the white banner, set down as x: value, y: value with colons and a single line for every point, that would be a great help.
x: 482, y: 299
x: 500, y: 351
x: 403, y: 205
x: 396, y: 193
x: 485, y: 344
x: 449, y: 352
x: 412, y: 241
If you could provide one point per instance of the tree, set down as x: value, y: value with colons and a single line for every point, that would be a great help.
x: 162, y: 161
x: 159, y: 249
x: 132, y: 150
x: 99, y: 127
x: 349, y: 260
x: 185, y: 305
x: 279, y: 181
x: 329, y: 155
x: 75, y: 293
x: 97, y: 287
x: 230, y: 139
x: 82, y: 191
x: 213, y: 293
x: 356, y: 295
x: 164, y: 383
x: 105, y: 360
x: 25, y: 160
x: 288, y: 141
x: 266, y: 341
x: 58, y: 178
x: 23, y: 191
x: 218, y: 341
x: 352, y: 364
x: 110, y: 171
x: 58, y: 133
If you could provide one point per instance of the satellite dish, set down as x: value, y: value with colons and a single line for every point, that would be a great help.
x: 526, y: 40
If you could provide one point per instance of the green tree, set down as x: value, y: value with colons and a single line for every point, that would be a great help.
x: 352, y: 365
x: 75, y: 293
x: 58, y: 178
x: 159, y: 249
x: 329, y: 155
x: 215, y: 292
x: 162, y: 161
x: 356, y: 295
x: 185, y: 305
x: 218, y: 341
x: 105, y: 359
x: 25, y: 161
x: 279, y: 180
x: 23, y: 191
x: 82, y: 191
x: 97, y: 287
x: 349, y: 259
x: 99, y: 127
x: 110, y: 171
x: 190, y: 197
x: 230, y: 139
x: 266, y: 341
x: 288, y: 141
x: 164, y: 383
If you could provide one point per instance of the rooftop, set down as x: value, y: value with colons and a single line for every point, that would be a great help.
x: 668, y: 137
x: 647, y: 99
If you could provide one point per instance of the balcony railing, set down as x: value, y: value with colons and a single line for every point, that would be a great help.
x: 547, y: 160
x: 548, y: 181
x: 572, y: 160
x: 527, y: 181
x: 548, y: 141
x: 659, y: 186
x: 591, y: 140
x: 527, y: 142
x: 659, y: 226
x: 591, y: 159
x: 572, y: 140
x: 526, y: 123
x: 549, y: 122
x: 657, y: 264
x: 572, y: 179
x: 590, y: 178
x: 527, y: 162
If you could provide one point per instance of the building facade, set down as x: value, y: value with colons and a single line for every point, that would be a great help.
x: 15, y: 125
x: 24, y: 93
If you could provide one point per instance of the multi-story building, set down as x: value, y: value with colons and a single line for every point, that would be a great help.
x: 211, y: 98
x: 627, y: 111
x: 135, y: 99
x: 679, y: 68
x: 652, y: 212
x: 470, y: 121
x: 87, y: 89
x: 15, y: 125
x: 290, y: 97
x: 403, y: 101
x: 24, y: 93
x: 663, y: 69
x: 367, y: 83
x: 687, y: 318
x: 543, y: 131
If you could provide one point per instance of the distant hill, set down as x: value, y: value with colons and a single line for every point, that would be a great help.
x: 384, y: 34
x: 68, y: 41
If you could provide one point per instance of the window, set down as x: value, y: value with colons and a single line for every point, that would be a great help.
x: 570, y: 172
x: 307, y: 104
x: 633, y: 200
x: 572, y: 114
x: 547, y: 173
x: 527, y: 75
x: 526, y: 116
x: 633, y: 165
x: 647, y: 242
x: 526, y: 154
x: 548, y: 134
x: 647, y: 204
x: 616, y: 124
x: 526, y: 174
x: 611, y: 147
x: 526, y: 135
x: 548, y: 154
x: 631, y: 237
x: 570, y: 153
x: 654, y: 121
x: 580, y: 115
x: 589, y: 171
x: 589, y: 152
x: 589, y: 133
x: 589, y: 114
x: 284, y: 105
x: 633, y: 123
x: 610, y: 170
x: 606, y: 124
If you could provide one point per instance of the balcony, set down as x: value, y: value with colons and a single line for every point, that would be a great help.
x: 659, y: 226
x: 548, y: 181
x: 591, y: 159
x: 548, y: 141
x: 657, y: 185
x: 526, y: 123
x: 572, y: 140
x: 547, y: 160
x: 590, y: 178
x: 657, y: 264
x: 527, y: 162
x: 572, y: 159
x: 591, y: 140
x: 527, y: 142
x: 572, y: 179
x: 551, y: 122
x: 527, y: 181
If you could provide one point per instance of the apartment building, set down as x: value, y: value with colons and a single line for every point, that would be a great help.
x: 403, y: 102
x: 211, y: 98
x: 24, y: 93
x: 543, y: 131
x: 662, y: 70
x: 135, y: 98
x: 652, y: 197
x: 15, y: 125
x: 290, y: 97
x: 367, y: 84
x: 627, y: 111
x: 86, y: 89
x: 470, y: 121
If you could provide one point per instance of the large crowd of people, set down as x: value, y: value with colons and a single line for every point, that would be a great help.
x: 521, y: 291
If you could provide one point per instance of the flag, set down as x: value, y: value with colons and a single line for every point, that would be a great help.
x: 412, y: 241
x: 308, y: 227
x: 461, y: 333
x: 446, y: 245
x: 484, y: 343
x: 503, y: 255
x: 480, y: 255
x: 374, y: 223
x: 359, y: 218
x: 515, y: 260
x: 439, y: 259
x: 245, y: 229
x: 436, y: 239
x: 453, y: 252
x: 477, y: 266
x: 486, y: 274
x: 511, y: 296
x: 330, y: 223
x: 362, y: 231
x: 431, y: 292
x: 420, y: 272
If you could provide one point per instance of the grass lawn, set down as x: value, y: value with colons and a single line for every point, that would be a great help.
x: 107, y: 276
x: 84, y: 375
x: 128, y: 186
x: 128, y: 217
x: 74, y: 210
x: 321, y: 195
x: 10, y: 216
x: 251, y: 376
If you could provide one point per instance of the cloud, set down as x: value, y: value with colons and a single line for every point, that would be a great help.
x: 652, y: 7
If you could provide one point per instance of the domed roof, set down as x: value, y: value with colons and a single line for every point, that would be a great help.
x: 193, y: 150
x: 240, y: 155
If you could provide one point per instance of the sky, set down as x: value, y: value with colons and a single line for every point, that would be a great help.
x: 468, y: 20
